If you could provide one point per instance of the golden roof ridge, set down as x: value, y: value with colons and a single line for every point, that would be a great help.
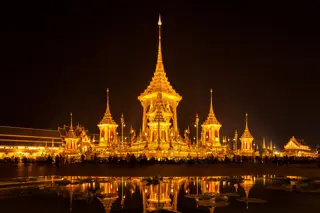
x: 17, y: 127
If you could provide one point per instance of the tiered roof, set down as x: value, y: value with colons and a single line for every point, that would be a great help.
x: 298, y: 142
x: 107, y: 119
x: 246, y: 133
x: 211, y: 119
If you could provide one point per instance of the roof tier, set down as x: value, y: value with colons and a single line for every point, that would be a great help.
x: 246, y: 133
x: 107, y: 118
x: 211, y: 119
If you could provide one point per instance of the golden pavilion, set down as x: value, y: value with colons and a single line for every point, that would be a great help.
x: 297, y: 147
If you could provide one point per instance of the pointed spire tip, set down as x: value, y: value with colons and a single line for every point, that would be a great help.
x: 159, y: 21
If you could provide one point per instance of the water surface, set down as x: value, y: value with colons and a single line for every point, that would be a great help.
x: 264, y: 194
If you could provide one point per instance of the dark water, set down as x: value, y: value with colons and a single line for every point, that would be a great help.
x: 265, y: 194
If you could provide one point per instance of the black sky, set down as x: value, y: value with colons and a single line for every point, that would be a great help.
x: 260, y: 57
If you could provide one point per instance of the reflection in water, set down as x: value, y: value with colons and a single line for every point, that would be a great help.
x: 168, y: 194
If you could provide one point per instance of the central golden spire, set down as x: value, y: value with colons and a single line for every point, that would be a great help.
x: 159, y: 46
x: 159, y: 82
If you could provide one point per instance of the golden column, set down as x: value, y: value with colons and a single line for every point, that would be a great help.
x: 197, y: 132
x: 235, y: 139
x: 122, y: 126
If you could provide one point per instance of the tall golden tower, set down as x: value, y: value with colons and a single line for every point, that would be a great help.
x: 211, y: 128
x: 108, y: 127
x: 159, y: 102
x: 246, y: 140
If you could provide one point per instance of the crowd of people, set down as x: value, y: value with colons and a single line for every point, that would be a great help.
x: 143, y: 160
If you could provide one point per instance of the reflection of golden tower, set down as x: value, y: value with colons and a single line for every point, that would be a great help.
x: 211, y: 128
x: 210, y: 186
x: 109, y: 195
x: 71, y: 188
x: 107, y: 202
x: 246, y: 139
x: 247, y: 186
x: 107, y: 127
x: 159, y: 100
x: 161, y: 196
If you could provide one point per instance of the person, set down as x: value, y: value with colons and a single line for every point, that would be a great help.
x: 82, y: 158
x: 57, y: 160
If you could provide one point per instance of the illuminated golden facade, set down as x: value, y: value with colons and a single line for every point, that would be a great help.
x: 296, y: 147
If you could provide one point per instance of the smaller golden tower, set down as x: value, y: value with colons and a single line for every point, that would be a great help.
x: 71, y: 139
x: 246, y: 140
x: 271, y: 147
x: 108, y: 127
x: 263, y: 143
x: 211, y: 128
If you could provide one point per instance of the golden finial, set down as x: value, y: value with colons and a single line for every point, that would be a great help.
x: 159, y: 21
x: 197, y: 119
x: 107, y: 98
x: 122, y: 119
x: 159, y: 45
x: 247, y: 121
x: 211, y: 108
x: 71, y: 127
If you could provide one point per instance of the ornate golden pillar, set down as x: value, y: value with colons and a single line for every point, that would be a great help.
x: 144, y: 118
x: 175, y: 120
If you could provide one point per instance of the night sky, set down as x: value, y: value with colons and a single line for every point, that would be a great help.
x: 260, y: 57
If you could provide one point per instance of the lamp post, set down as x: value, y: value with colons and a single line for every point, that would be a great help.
x: 122, y: 126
